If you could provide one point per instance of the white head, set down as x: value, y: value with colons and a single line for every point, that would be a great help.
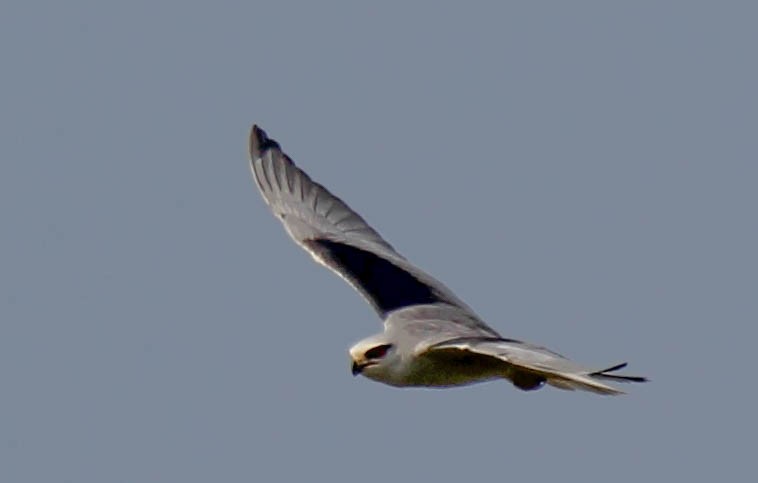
x: 376, y: 358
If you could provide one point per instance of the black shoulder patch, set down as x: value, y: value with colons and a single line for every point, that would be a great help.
x: 387, y: 286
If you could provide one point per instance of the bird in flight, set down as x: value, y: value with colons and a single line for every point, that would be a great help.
x: 431, y: 338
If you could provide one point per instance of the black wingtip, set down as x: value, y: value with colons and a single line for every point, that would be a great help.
x: 617, y: 377
x: 616, y: 367
x: 260, y: 142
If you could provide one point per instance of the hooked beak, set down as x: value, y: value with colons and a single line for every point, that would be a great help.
x: 357, y: 368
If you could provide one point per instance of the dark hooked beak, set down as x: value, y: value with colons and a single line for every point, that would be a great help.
x: 357, y: 368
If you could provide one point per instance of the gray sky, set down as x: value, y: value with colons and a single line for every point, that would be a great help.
x: 582, y: 174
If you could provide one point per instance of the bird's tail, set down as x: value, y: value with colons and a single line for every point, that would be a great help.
x: 529, y: 367
x: 591, y: 381
x: 554, y: 369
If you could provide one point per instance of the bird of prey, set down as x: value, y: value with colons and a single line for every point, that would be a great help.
x: 431, y: 338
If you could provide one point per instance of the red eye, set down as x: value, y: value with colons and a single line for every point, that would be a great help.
x: 378, y: 352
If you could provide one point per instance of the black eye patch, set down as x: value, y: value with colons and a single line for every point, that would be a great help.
x: 378, y: 352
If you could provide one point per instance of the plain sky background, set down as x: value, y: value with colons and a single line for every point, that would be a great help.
x: 583, y: 174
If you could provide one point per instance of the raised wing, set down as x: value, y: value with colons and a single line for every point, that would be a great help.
x: 338, y: 237
x: 529, y: 366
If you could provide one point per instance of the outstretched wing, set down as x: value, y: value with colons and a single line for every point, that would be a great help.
x: 338, y: 237
x: 529, y: 366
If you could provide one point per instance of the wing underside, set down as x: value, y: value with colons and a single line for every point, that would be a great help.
x: 337, y: 237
